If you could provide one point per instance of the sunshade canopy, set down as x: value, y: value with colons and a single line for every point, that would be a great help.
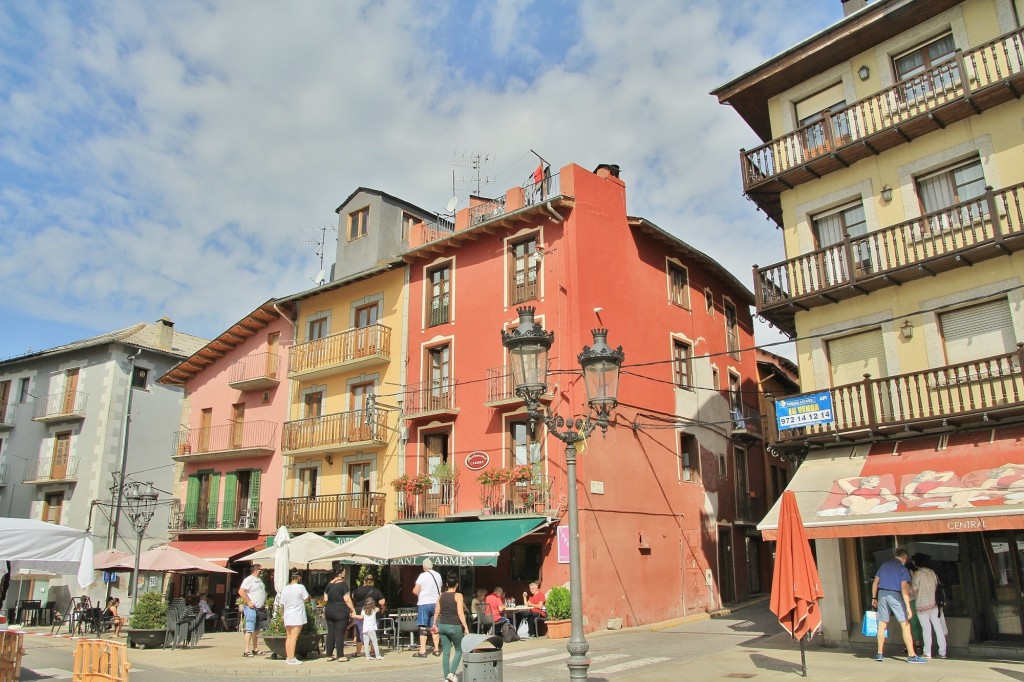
x: 479, y: 541
x: 303, y: 551
x: 796, y: 587
x: 30, y: 544
x: 170, y: 559
x: 113, y: 560
x: 390, y: 543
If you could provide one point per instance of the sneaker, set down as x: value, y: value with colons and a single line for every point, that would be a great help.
x: 452, y: 678
x: 879, y: 657
x: 916, y: 659
x: 941, y: 656
x: 293, y: 661
x: 380, y: 658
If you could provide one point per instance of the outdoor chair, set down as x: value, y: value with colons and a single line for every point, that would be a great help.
x: 178, y: 623
x: 484, y: 620
x: 196, y: 629
x: 387, y: 628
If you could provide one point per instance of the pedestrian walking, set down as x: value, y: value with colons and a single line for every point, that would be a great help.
x: 337, y: 610
x: 367, y: 618
x: 925, y: 584
x: 254, y: 597
x: 889, y: 592
x: 450, y: 625
x: 293, y: 605
x: 427, y: 589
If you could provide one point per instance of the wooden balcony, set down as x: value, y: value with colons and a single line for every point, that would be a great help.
x: 971, y: 83
x: 60, y: 407
x: 348, y: 350
x: 519, y: 497
x: 430, y: 399
x: 327, y: 512
x: 747, y: 425
x: 226, y: 441
x: 51, y: 470
x: 256, y: 372
x: 956, y: 237
x: 436, y: 503
x: 195, y: 517
x: 8, y: 413
x: 974, y: 393
x: 334, y: 432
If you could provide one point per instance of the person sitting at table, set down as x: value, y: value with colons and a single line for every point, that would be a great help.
x: 537, y: 613
x: 479, y: 604
x: 496, y: 607
x: 111, y: 616
x: 209, y: 617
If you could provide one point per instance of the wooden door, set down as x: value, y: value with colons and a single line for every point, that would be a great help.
x: 366, y: 325
x: 359, y: 429
x: 5, y: 399
x: 205, y: 424
x: 273, y: 348
x: 59, y: 462
x: 70, y: 391
x: 237, y: 425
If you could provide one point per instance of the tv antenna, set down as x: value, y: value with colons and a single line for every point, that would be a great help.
x: 321, y: 277
x: 475, y: 162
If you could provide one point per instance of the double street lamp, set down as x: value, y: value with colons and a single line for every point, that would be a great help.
x: 141, y: 499
x: 528, y: 345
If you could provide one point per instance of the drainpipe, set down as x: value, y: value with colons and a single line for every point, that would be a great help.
x: 551, y: 209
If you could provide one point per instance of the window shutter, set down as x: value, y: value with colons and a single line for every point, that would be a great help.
x: 980, y: 331
x: 214, y: 492
x: 254, y: 489
x: 230, y: 489
x: 191, y: 500
x: 854, y: 356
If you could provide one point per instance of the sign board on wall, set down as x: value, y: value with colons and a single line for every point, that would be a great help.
x: 804, y: 410
x: 563, y: 544
x: 477, y: 460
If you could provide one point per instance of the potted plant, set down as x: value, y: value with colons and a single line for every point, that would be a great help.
x: 557, y: 604
x: 147, y: 626
x: 309, y: 637
x: 444, y: 474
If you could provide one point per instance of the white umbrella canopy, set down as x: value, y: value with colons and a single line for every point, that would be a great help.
x: 173, y: 560
x: 30, y: 544
x: 389, y: 543
x: 302, y: 551
x: 282, y: 559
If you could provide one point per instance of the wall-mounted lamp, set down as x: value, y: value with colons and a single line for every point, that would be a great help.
x: 864, y: 72
x: 907, y: 330
x: 886, y: 193
x: 330, y: 460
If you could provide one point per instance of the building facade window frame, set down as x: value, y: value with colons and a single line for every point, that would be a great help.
x: 678, y: 281
x: 358, y: 221
x: 682, y: 363
x: 438, y: 293
x: 523, y: 266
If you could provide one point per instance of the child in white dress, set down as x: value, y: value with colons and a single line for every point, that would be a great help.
x: 369, y: 618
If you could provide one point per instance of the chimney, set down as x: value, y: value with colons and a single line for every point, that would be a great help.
x: 851, y: 6
x: 165, y: 333
x: 606, y: 170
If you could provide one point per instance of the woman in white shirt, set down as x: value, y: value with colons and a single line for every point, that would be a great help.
x: 293, y: 604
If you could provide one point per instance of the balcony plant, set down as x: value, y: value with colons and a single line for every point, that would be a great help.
x: 147, y: 626
x: 492, y: 476
x: 521, y: 473
x: 558, y: 606
x: 444, y: 474
x: 309, y: 636
x: 412, y: 485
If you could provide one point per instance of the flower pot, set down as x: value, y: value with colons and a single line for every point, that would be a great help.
x: 305, y: 645
x: 146, y: 639
x: 558, y: 629
x: 444, y: 510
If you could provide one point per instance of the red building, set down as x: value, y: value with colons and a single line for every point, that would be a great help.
x: 669, y: 497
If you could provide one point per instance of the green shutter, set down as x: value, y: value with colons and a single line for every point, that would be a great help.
x: 254, y: 489
x: 230, y: 488
x: 214, y: 495
x: 191, y: 500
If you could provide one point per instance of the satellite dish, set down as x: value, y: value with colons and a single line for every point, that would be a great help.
x: 452, y: 203
x: 320, y: 279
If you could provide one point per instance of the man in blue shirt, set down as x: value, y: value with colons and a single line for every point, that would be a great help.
x: 889, y: 592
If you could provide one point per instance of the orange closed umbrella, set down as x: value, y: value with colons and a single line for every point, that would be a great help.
x: 796, y: 587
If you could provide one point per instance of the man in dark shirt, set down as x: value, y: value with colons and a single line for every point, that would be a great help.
x: 889, y: 592
x: 359, y: 596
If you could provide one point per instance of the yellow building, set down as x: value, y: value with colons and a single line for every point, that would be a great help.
x: 893, y: 161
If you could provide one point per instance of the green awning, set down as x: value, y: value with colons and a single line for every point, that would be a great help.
x: 480, y: 540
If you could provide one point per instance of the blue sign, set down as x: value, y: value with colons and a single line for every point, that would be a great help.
x: 109, y: 577
x: 804, y: 410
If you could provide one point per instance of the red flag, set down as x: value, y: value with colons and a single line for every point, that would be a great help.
x: 538, y: 174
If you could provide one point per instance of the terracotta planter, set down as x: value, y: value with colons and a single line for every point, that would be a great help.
x: 444, y: 510
x: 305, y: 645
x: 558, y: 629
x: 146, y: 639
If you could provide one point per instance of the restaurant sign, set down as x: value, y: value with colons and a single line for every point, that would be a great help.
x: 804, y: 410
x: 477, y: 460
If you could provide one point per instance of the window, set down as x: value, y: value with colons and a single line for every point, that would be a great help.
x: 307, y: 482
x: 678, y: 286
x: 23, y: 390
x: 313, y: 404
x: 681, y: 353
x: 201, y: 500
x: 357, y: 223
x: 709, y: 302
x: 317, y: 328
x: 525, y: 446
x: 5, y: 397
x: 723, y: 466
x: 689, y: 451
x: 368, y: 339
x: 360, y: 476
x: 408, y: 221
x: 524, y: 270
x: 70, y: 391
x: 829, y: 231
x: 742, y: 486
x: 853, y: 356
x: 241, y: 499
x: 60, y: 457
x: 439, y: 367
x: 736, y: 401
x: 440, y: 291
x: 816, y: 135
x: 922, y: 71
x: 948, y: 187
x: 435, y: 446
x: 140, y: 377
x: 732, y: 332
x: 53, y: 503
x: 976, y: 332
x: 716, y: 381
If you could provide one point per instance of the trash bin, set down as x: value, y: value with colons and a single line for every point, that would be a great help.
x: 481, y: 658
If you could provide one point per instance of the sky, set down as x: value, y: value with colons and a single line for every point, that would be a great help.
x: 181, y: 159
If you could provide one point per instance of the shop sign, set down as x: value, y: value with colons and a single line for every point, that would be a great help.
x: 477, y: 460
x: 804, y: 410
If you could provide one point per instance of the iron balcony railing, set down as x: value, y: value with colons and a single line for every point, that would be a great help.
x: 749, y: 506
x: 201, y: 517
x: 255, y: 367
x: 533, y: 193
x: 952, y: 395
x: 957, y: 236
x: 525, y: 285
x: 429, y: 396
x: 52, y: 469
x: 746, y: 421
x: 436, y: 503
x: 439, y: 310
x: 336, y: 349
x: 63, y: 404
x: 249, y: 435
x: 336, y: 430
x: 424, y: 233
x: 3, y: 474
x: 518, y: 497
x: 959, y: 80
x: 332, y: 511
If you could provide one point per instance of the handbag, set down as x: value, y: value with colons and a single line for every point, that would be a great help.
x: 869, y: 625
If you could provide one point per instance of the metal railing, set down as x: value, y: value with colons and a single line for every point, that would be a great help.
x: 525, y: 285
x: 954, y: 80
x: 424, y: 233
x: 200, y: 517
x: 332, y: 511
x: 52, y: 470
x: 500, y: 384
x: 334, y: 430
x: 249, y: 435
x: 952, y: 393
x: 749, y: 507
x: 486, y: 210
x: 746, y: 419
x: 429, y: 396
x: 439, y: 310
x: 256, y: 366
x: 3, y: 473
x: 346, y: 346
x: 8, y: 412
x: 911, y: 244
x: 61, y: 404
x: 436, y: 503
x: 518, y: 497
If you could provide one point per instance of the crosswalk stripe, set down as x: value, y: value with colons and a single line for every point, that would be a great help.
x: 54, y: 673
x: 629, y: 665
x: 524, y: 654
x: 540, y: 661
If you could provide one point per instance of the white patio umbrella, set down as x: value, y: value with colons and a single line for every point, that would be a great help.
x: 302, y: 552
x: 389, y: 543
x: 282, y: 560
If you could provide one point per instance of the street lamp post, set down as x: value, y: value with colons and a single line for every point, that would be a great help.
x: 528, y: 345
x: 141, y: 506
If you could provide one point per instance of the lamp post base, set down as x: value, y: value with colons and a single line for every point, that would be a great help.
x: 578, y: 662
